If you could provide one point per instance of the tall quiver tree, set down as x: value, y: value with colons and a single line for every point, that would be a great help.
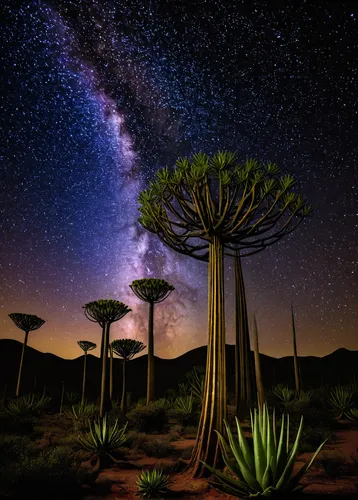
x: 126, y: 349
x: 298, y: 383
x: 86, y: 346
x: 153, y: 291
x: 28, y: 323
x: 105, y: 312
x: 205, y: 206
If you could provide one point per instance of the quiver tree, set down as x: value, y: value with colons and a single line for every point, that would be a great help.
x: 105, y: 312
x: 28, y: 323
x: 204, y: 207
x: 86, y: 346
x: 298, y: 383
x: 126, y: 349
x: 151, y: 290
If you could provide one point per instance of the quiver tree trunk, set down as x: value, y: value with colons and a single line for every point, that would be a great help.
x: 295, y: 358
x: 124, y: 398
x: 84, y: 378
x: 105, y: 402
x: 244, y: 383
x: 151, y: 374
x: 21, y: 364
x: 110, y: 372
x: 214, y: 397
x: 258, y: 374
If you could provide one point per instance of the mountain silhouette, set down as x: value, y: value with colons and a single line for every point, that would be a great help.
x: 50, y: 370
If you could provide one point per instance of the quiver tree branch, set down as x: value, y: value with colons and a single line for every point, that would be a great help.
x: 205, y: 208
x: 28, y: 323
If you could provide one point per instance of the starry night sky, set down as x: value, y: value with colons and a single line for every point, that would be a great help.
x: 97, y: 96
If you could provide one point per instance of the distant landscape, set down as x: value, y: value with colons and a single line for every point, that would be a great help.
x: 51, y: 370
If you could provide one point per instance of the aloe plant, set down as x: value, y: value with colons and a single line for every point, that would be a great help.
x: 184, y: 404
x: 264, y: 469
x: 103, y: 440
x: 341, y: 399
x: 27, y: 405
x: 283, y: 393
x: 81, y: 411
x: 196, y: 379
x: 152, y: 483
x: 352, y: 414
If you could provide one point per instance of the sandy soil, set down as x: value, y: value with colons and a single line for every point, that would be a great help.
x: 117, y: 483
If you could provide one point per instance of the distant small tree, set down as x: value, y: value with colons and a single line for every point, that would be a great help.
x: 126, y: 349
x: 86, y: 346
x: 151, y: 290
x: 28, y: 323
x: 105, y: 312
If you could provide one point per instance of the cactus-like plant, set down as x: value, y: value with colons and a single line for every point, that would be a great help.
x: 103, y: 440
x: 153, y: 291
x: 184, y: 404
x: 352, y: 414
x: 86, y: 346
x: 283, y: 393
x: 341, y: 399
x: 29, y: 404
x: 126, y: 349
x: 196, y: 379
x: 28, y: 323
x: 152, y: 483
x: 105, y: 312
x: 265, y: 469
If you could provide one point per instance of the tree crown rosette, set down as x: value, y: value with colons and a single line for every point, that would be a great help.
x: 127, y: 348
x: 27, y: 322
x: 105, y: 311
x: 246, y: 205
x: 151, y: 289
x: 86, y: 345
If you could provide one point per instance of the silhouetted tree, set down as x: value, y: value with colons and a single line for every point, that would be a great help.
x: 86, y: 346
x: 298, y: 383
x: 205, y: 206
x: 28, y: 323
x: 126, y: 349
x: 151, y: 290
x: 105, y: 312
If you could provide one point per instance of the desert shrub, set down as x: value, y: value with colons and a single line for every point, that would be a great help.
x: 71, y: 398
x: 39, y: 474
x: 175, y: 432
x: 151, y: 418
x: 156, y: 447
x: 11, y: 424
x: 187, y: 453
x: 332, y: 463
x: 190, y: 431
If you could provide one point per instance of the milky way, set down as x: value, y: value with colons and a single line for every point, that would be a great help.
x: 98, y: 95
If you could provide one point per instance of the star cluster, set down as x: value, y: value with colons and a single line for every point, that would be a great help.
x: 96, y: 96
